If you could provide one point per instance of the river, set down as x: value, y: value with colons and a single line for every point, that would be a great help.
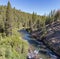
x: 44, y: 52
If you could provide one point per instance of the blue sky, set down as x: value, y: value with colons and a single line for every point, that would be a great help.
x: 38, y: 6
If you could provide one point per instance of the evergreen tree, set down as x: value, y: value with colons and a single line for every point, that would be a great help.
x: 9, y: 20
x: 57, y: 15
x: 38, y: 24
x: 1, y: 24
x: 34, y: 20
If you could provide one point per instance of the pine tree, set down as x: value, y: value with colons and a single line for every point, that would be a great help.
x: 33, y: 21
x: 9, y: 20
x: 33, y: 17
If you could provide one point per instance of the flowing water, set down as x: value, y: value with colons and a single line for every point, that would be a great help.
x: 44, y: 52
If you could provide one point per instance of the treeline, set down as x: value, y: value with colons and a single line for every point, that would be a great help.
x: 11, y: 18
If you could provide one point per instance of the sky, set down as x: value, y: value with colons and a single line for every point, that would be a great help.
x: 40, y: 7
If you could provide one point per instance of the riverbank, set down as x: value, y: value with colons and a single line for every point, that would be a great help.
x: 45, y: 53
x: 51, y: 39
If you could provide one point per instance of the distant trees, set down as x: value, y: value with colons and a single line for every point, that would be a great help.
x: 34, y: 21
x: 33, y: 17
x: 57, y: 15
x: 51, y: 17
x: 11, y: 18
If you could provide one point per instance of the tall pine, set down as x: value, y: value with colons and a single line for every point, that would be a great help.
x: 9, y: 20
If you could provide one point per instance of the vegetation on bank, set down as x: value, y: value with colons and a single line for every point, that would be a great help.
x: 13, y: 47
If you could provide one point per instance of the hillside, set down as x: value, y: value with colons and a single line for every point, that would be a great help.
x: 53, y: 38
x: 20, y: 18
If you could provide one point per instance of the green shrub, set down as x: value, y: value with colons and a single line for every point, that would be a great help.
x: 11, y: 47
